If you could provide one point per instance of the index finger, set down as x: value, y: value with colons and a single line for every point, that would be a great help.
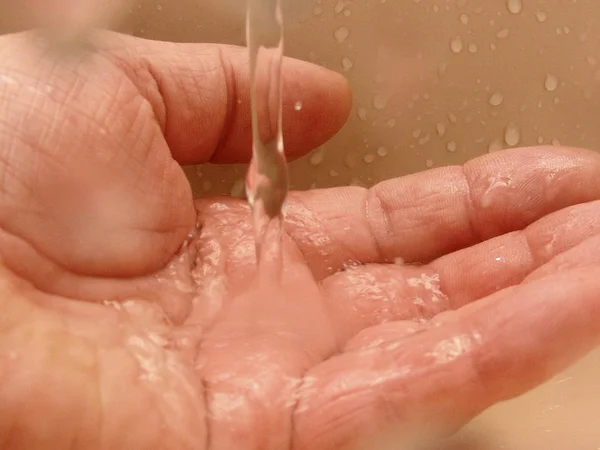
x: 426, y: 215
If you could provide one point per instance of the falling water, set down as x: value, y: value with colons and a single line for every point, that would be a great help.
x: 267, y: 179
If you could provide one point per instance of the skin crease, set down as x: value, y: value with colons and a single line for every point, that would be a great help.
x: 129, y: 317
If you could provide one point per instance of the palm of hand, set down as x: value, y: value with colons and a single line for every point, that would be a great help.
x: 131, y: 339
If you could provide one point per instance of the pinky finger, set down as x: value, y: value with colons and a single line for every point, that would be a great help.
x: 436, y: 378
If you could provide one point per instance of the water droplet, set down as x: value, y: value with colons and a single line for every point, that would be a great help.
x: 347, y: 13
x: 512, y: 134
x: 382, y: 151
x: 391, y: 123
x: 472, y: 48
x: 551, y: 82
x: 495, y: 146
x: 347, y: 63
x: 541, y: 16
x: 317, y: 10
x: 464, y: 19
x: 317, y: 158
x: 333, y: 173
x: 425, y: 139
x: 503, y: 33
x: 298, y: 106
x: 436, y: 8
x: 514, y: 6
x: 350, y: 161
x: 555, y: 142
x: 356, y: 182
x: 379, y: 101
x: 416, y: 133
x: 362, y: 113
x: 456, y: 44
x: 237, y: 190
x: 341, y: 34
x: 369, y: 158
x: 429, y: 163
x: 591, y: 60
x: 452, y: 117
x: 496, y: 99
x: 339, y: 7
x: 440, y: 127
x: 451, y: 146
x: 159, y: 7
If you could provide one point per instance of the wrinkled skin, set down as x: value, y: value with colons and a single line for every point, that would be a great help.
x: 129, y: 318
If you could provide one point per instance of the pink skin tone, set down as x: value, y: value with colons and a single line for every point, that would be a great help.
x: 128, y: 314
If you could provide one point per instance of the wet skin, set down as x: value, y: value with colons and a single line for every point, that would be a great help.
x: 129, y: 317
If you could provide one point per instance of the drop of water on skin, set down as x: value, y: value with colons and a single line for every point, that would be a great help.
x: 347, y: 63
x: 391, y: 123
x: 382, y: 151
x: 159, y: 7
x: 362, y: 113
x: 379, y: 101
x: 416, y: 133
x: 298, y: 106
x: 464, y: 19
x: 472, y: 48
x: 512, y: 134
x: 333, y: 173
x: 429, y: 163
x: 496, y: 99
x: 341, y: 34
x: 503, y: 34
x: 555, y: 142
x: 451, y: 146
x: 317, y: 158
x: 350, y: 161
x: 452, y: 118
x: 551, y: 82
x: 317, y: 11
x: 237, y: 189
x: 425, y: 139
x: 339, y: 7
x: 369, y: 158
x: 495, y: 146
x: 456, y: 44
x: 541, y: 16
x: 440, y: 127
x: 591, y: 60
x: 514, y: 6
x: 435, y: 8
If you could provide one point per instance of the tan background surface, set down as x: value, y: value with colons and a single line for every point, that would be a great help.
x: 435, y: 82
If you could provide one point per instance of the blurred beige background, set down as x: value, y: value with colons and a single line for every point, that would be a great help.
x: 435, y: 82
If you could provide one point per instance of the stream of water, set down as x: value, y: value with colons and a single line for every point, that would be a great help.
x: 267, y: 178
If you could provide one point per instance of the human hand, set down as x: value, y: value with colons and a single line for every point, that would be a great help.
x: 118, y: 330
